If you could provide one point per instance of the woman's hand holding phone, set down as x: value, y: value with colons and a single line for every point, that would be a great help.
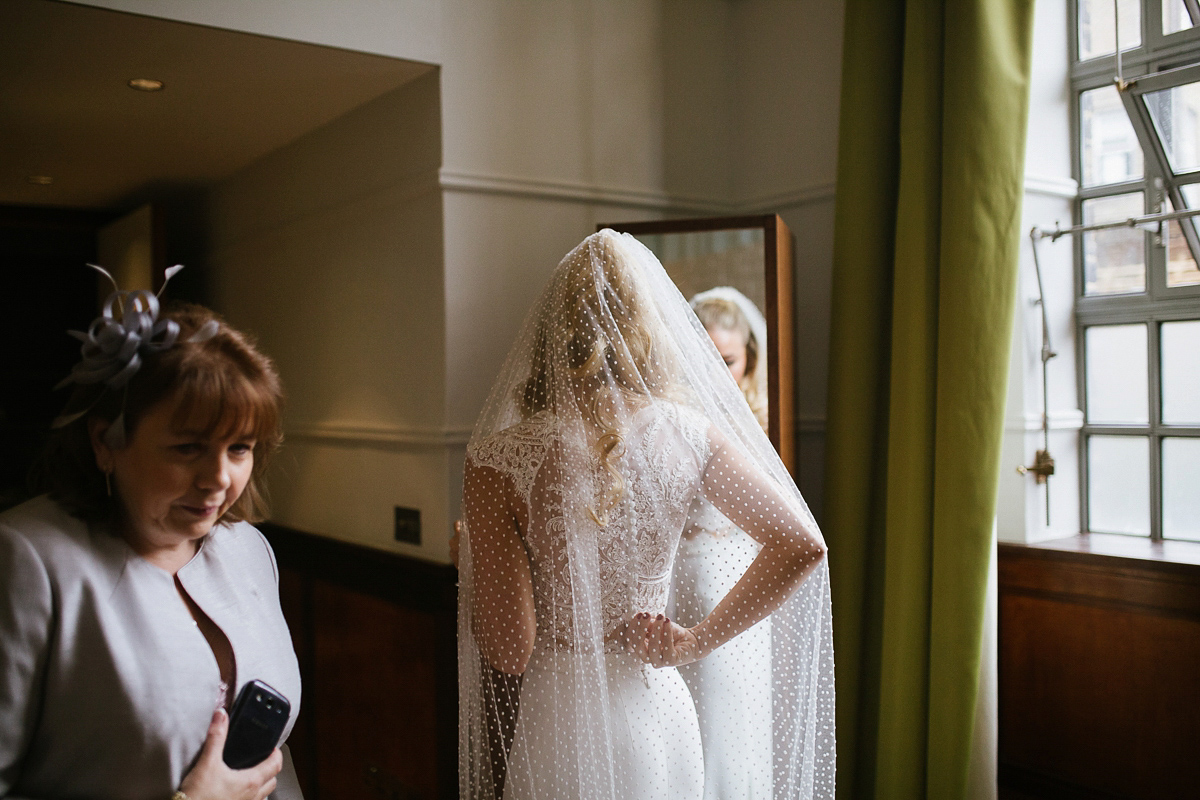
x: 211, y: 779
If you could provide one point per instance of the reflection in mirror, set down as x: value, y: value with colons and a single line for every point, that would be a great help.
x: 699, y: 260
x: 736, y: 272
x: 737, y: 328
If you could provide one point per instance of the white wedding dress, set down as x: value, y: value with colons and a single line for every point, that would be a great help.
x: 732, y: 686
x: 655, y: 740
x: 611, y: 415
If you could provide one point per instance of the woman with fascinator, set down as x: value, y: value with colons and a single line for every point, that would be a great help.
x: 135, y: 596
x: 612, y: 413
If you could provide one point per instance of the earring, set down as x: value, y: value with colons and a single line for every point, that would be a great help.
x: 108, y: 483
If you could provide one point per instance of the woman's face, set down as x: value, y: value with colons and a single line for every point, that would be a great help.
x: 174, y: 484
x: 732, y: 348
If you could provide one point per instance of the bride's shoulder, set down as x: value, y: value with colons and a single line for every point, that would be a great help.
x: 542, y: 426
x: 691, y: 423
x: 522, y: 440
x: 516, y: 451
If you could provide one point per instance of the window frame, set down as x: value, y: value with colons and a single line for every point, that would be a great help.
x: 1160, y: 62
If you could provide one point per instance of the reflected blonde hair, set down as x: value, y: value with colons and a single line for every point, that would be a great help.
x: 721, y: 313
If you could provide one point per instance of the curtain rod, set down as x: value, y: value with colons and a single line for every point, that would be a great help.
x: 1132, y: 222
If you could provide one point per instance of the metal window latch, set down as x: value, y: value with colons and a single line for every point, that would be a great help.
x: 1042, y: 468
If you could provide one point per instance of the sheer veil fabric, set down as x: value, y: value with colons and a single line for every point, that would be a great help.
x: 736, y: 725
x: 613, y: 413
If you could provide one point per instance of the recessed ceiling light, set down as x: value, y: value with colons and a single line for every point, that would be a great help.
x: 145, y: 84
x: 40, y: 180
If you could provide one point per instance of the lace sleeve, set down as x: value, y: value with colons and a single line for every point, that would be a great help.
x: 516, y: 452
x: 694, y: 429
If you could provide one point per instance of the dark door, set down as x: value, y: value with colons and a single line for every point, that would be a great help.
x: 44, y: 291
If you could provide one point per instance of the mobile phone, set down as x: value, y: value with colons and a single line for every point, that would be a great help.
x: 257, y: 721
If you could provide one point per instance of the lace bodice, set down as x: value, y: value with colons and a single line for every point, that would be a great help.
x: 663, y: 461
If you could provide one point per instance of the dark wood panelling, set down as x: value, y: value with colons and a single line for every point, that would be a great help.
x: 295, y: 597
x: 375, y: 634
x: 1099, y: 688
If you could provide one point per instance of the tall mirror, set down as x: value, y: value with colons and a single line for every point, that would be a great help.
x: 737, y: 274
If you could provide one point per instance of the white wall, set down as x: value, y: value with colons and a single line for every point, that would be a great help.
x: 1021, y: 512
x: 788, y: 82
x: 402, y: 28
x: 555, y: 115
x: 330, y: 250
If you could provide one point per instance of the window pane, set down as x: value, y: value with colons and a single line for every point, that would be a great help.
x: 1119, y: 484
x: 1107, y: 144
x: 1176, y: 115
x: 1180, y: 345
x: 1181, y: 496
x: 1181, y: 267
x: 1117, y: 378
x: 1114, y: 260
x: 1175, y: 16
x: 1097, y: 27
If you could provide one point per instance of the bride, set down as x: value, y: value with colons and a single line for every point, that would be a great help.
x: 612, y: 413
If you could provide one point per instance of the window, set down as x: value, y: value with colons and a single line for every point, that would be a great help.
x: 1137, y: 306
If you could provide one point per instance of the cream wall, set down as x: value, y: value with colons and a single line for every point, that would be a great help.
x: 330, y: 250
x: 126, y: 248
x: 788, y: 80
x: 554, y: 115
x: 1049, y: 192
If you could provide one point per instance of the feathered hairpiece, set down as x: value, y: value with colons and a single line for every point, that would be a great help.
x: 113, y: 345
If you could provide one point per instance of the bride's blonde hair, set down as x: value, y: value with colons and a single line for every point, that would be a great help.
x: 604, y: 331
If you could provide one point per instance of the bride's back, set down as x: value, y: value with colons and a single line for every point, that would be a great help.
x: 629, y: 546
x: 611, y: 413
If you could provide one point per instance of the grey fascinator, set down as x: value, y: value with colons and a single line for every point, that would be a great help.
x: 114, y: 345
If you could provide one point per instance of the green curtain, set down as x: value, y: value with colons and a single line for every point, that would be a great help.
x: 930, y: 172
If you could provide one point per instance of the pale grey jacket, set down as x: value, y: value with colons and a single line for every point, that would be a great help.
x: 107, y: 686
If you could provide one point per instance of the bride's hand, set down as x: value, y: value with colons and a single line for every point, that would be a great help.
x: 659, y: 642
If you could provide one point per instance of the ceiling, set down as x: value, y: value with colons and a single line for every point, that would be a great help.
x: 230, y: 98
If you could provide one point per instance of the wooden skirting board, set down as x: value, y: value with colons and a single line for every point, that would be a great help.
x: 375, y: 633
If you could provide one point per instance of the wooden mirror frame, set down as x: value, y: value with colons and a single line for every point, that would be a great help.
x: 778, y: 269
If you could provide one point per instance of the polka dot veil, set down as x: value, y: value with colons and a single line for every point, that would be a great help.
x: 644, y: 602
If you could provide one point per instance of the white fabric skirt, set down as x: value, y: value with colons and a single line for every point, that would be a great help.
x: 731, y: 687
x: 639, y: 742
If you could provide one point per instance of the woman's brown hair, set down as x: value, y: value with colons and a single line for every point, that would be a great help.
x: 221, y: 386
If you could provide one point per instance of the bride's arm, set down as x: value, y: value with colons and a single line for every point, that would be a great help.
x: 791, y: 549
x: 501, y: 585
